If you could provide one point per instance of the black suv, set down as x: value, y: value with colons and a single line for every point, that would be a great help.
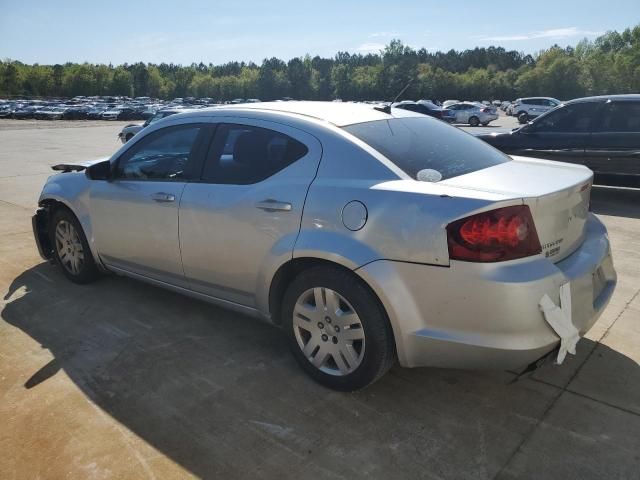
x: 602, y: 133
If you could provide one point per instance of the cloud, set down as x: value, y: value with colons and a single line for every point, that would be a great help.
x: 384, y: 34
x: 370, y: 47
x: 554, y: 33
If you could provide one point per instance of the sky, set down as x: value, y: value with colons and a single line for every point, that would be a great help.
x: 186, y: 31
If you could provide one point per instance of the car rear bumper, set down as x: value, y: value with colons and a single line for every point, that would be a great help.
x: 473, y: 315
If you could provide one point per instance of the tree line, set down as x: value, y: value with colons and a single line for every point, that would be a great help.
x: 609, y: 64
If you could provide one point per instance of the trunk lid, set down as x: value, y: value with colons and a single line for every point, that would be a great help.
x: 557, y: 194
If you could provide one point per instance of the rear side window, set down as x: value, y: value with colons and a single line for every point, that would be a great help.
x: 244, y: 154
x: 422, y: 143
x: 623, y: 117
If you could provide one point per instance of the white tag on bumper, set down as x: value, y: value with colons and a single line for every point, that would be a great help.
x: 559, y: 317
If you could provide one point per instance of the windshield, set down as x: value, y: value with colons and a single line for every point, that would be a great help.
x: 415, y: 144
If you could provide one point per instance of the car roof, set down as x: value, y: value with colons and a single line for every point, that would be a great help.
x: 337, y: 113
x: 604, y: 98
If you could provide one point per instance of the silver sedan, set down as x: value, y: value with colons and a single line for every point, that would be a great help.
x: 472, y: 114
x: 369, y: 235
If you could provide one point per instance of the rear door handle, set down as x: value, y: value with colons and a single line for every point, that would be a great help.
x: 271, y: 205
x: 163, y: 197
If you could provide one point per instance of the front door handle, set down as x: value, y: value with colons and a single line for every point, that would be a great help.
x: 163, y: 197
x: 271, y: 205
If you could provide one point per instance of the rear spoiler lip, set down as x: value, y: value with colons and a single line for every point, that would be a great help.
x: 68, y: 167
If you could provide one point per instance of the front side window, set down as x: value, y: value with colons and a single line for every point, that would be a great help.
x: 162, y: 155
x: 422, y: 143
x: 575, y: 118
x: 622, y: 117
x: 244, y: 154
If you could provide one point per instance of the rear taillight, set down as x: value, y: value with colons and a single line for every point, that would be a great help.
x: 484, y: 110
x: 495, y: 236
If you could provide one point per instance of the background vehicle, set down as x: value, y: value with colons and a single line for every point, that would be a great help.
x: 526, y: 109
x: 448, y: 103
x: 471, y: 113
x: 129, y: 131
x: 425, y: 107
x: 22, y: 113
x: 255, y: 208
x: 602, y: 133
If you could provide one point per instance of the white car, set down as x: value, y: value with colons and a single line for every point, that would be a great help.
x: 448, y: 103
x: 526, y: 109
x: 111, y: 114
x: 472, y: 113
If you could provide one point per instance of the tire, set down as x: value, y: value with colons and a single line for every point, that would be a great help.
x: 354, y: 346
x: 70, y: 248
x: 128, y: 137
x: 523, y: 117
x: 474, y: 121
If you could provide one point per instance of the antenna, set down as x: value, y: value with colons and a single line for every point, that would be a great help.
x: 387, y: 108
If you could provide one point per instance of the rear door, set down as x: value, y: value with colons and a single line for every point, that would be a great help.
x: 613, y: 150
x: 239, y: 222
x: 559, y: 135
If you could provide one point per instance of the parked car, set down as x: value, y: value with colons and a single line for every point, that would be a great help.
x: 49, y: 113
x: 426, y: 108
x: 23, y: 113
x: 366, y: 236
x: 602, y: 133
x: 79, y: 112
x: 448, y: 103
x: 471, y: 113
x: 525, y: 109
x: 96, y: 112
x: 129, y: 131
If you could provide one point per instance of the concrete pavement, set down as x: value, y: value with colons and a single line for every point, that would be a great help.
x: 123, y: 380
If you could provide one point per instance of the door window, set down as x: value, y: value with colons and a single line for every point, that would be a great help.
x: 244, y: 154
x: 623, y: 117
x: 162, y: 155
x: 574, y: 118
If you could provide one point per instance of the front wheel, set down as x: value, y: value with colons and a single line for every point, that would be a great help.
x: 71, y: 250
x: 523, y: 117
x: 338, y: 331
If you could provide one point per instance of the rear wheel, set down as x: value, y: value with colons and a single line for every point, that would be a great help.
x: 337, y: 329
x: 70, y: 248
x: 474, y: 121
x: 523, y: 117
x: 128, y: 137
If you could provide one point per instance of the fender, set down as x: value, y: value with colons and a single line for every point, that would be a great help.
x: 72, y: 190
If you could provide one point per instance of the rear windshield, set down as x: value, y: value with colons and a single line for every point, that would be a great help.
x: 415, y: 144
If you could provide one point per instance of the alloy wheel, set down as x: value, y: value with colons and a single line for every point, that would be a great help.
x: 69, y: 247
x: 328, y: 331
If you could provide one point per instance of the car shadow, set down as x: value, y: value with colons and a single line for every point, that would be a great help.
x: 617, y: 202
x: 220, y: 394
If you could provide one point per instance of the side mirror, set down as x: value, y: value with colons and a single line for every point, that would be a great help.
x: 100, y: 171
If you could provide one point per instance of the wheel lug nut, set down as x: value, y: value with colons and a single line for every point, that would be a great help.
x: 336, y: 328
x: 334, y: 339
x: 324, y: 337
x: 327, y: 319
x: 320, y: 325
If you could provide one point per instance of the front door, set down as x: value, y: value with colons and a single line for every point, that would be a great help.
x: 242, y: 219
x: 135, y: 215
x: 560, y: 135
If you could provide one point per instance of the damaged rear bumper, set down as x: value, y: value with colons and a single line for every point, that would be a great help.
x: 474, y: 315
